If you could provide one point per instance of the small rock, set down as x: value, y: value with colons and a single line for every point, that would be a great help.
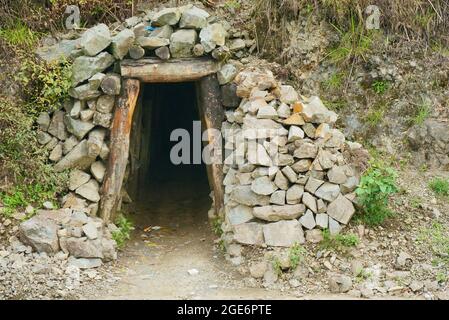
x: 193, y: 272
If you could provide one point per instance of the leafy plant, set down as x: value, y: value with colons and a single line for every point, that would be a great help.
x: 296, y: 255
x: 441, y: 277
x: 376, y: 186
x: 440, y: 186
x: 22, y: 161
x: 216, y: 226
x: 45, y: 85
x: 380, y: 86
x: 123, y: 234
x: 374, y: 116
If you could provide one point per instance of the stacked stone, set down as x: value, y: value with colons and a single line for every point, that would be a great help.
x: 85, y: 240
x: 285, y: 169
x: 180, y: 32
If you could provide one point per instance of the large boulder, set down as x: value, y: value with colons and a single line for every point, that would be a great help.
x: 77, y: 127
x: 60, y: 51
x: 249, y: 233
x: 168, y: 16
x: 121, y: 43
x: 95, y: 40
x: 85, y: 67
x: 341, y: 209
x: 182, y: 43
x: 244, y: 195
x: 283, y: 233
x: 314, y: 111
x: 78, y: 157
x: 194, y: 18
x: 40, y: 233
x: 212, y: 36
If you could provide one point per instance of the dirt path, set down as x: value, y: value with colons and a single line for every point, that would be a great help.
x: 155, y: 264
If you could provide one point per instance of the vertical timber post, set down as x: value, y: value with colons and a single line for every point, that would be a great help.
x: 119, y: 149
x: 211, y: 110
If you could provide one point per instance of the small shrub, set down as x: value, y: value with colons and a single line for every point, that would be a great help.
x: 376, y: 186
x: 440, y: 186
x: 45, y: 85
x: 296, y: 255
x: 123, y: 234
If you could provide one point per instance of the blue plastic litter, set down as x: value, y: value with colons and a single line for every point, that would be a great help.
x: 150, y: 28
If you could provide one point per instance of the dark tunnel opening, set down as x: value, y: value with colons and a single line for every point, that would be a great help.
x: 166, y: 188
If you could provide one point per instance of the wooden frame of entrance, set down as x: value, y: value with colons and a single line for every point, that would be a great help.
x: 203, y: 72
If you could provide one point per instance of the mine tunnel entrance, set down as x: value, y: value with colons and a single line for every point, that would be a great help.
x: 166, y: 191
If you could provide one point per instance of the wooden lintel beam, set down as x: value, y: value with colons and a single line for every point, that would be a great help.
x: 154, y: 70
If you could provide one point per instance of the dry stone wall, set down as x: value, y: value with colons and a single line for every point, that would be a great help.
x: 288, y: 173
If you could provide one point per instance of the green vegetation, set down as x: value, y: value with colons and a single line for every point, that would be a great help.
x: 363, y: 275
x: 336, y: 105
x: 45, y: 85
x: 440, y: 186
x: 380, y: 86
x: 376, y: 186
x: 355, y: 43
x: 441, y: 277
x: 415, y: 202
x: 232, y: 4
x: 123, y: 234
x: 277, y: 266
x: 421, y: 114
x: 216, y: 226
x: 21, y: 196
x: 375, y: 114
x: 22, y: 161
x: 19, y: 34
x: 339, y: 241
x: 296, y: 255
x: 436, y: 238
x: 335, y: 81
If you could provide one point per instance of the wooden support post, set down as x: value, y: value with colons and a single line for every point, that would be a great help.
x: 211, y: 110
x: 118, y: 157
